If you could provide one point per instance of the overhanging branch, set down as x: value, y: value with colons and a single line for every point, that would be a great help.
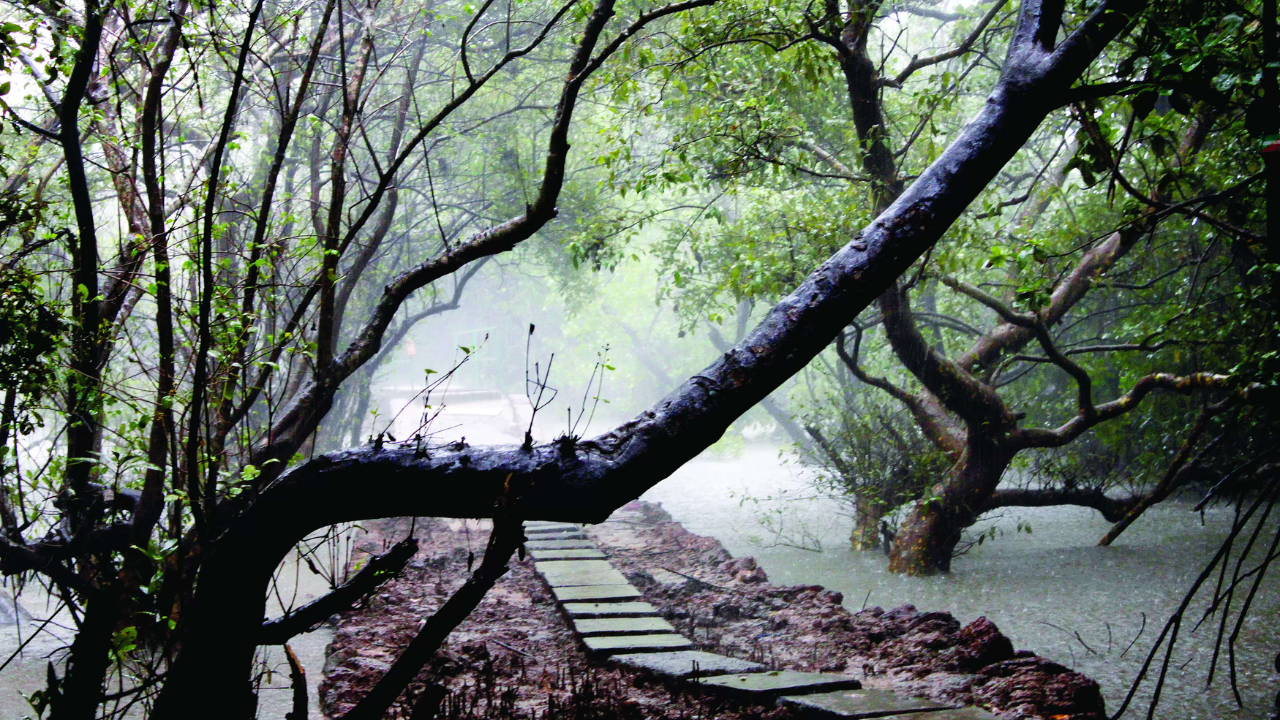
x: 380, y: 569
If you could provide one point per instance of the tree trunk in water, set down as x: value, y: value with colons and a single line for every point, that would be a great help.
x: 929, y: 535
x: 868, y: 512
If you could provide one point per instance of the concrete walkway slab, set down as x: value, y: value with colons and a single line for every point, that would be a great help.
x: 559, y: 544
x: 686, y: 664
x: 859, y: 704
x: 613, y: 609
x: 567, y: 573
x: 622, y: 626
x: 964, y: 713
x: 759, y: 687
x: 597, y: 593
x: 532, y: 529
x: 574, y: 554
x: 544, y: 537
x: 613, y: 644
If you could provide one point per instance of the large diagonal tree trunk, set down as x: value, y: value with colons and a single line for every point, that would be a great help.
x: 586, y: 481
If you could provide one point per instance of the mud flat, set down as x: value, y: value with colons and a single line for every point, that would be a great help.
x: 516, y: 656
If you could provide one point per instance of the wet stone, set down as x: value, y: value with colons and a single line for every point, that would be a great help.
x: 866, y: 704
x: 687, y: 663
x: 573, y: 554
x: 614, y: 609
x: 545, y: 537
x: 559, y: 545
x: 622, y: 626
x: 781, y: 682
x: 538, y: 529
x: 612, y: 644
x: 567, y: 573
x: 598, y: 593
x: 965, y: 713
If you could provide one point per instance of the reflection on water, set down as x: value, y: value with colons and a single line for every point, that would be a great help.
x: 1040, y: 588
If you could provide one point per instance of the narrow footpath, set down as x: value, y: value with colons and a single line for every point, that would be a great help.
x: 637, y: 618
x: 604, y: 610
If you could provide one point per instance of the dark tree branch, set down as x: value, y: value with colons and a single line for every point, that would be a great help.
x: 963, y: 394
x: 1112, y: 509
x: 298, y: 679
x: 379, y: 570
x: 928, y: 414
x: 771, y: 406
x: 919, y: 63
x: 1177, y: 474
x: 506, y: 536
x: 1076, y: 426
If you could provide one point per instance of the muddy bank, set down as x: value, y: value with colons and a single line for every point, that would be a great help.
x: 516, y: 657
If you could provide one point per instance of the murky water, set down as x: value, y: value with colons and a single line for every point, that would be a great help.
x: 26, y: 672
x: 1040, y: 588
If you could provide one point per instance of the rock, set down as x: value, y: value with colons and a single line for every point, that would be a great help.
x: 650, y: 513
x: 1047, y: 687
x: 728, y: 610
x: 980, y: 644
x: 934, y: 622
x: 745, y: 570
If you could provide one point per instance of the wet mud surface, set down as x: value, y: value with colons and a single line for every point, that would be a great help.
x: 516, y: 657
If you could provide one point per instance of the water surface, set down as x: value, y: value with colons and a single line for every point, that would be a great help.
x: 1040, y: 588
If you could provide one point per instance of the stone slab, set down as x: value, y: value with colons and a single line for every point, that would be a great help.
x: 596, y: 593
x: 545, y: 537
x: 622, y: 626
x: 532, y: 528
x: 687, y: 663
x: 771, y: 685
x: 613, y: 609
x: 573, y: 554
x: 858, y: 704
x: 613, y: 644
x: 567, y: 573
x: 964, y: 713
x: 559, y: 544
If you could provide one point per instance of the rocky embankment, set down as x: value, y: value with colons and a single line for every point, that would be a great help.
x: 515, y: 657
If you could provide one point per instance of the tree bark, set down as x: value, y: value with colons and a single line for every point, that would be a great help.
x: 868, y: 513
x: 927, y: 539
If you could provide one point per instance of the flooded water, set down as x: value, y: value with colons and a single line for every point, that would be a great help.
x: 32, y: 652
x: 1041, y: 588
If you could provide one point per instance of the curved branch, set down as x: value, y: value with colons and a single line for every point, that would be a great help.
x: 918, y: 63
x: 1113, y: 509
x: 931, y: 418
x: 380, y: 569
x: 1076, y: 426
x: 1012, y: 335
x: 963, y: 394
x: 1005, y: 312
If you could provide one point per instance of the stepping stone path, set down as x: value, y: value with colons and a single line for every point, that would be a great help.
x: 613, y: 624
